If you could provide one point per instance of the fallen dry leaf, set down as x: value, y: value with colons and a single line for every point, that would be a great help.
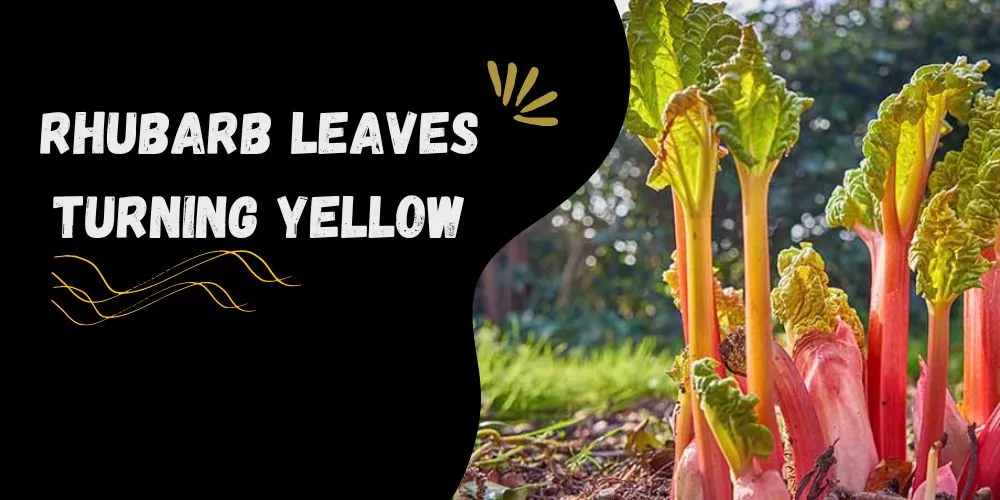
x: 890, y: 474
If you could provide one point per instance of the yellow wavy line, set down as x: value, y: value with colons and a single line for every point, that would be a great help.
x: 126, y: 311
x: 159, y: 295
x: 217, y: 254
x: 77, y: 292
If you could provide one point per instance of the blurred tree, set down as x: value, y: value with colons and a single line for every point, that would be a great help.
x: 591, y: 270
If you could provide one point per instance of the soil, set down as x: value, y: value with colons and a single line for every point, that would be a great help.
x: 623, y: 455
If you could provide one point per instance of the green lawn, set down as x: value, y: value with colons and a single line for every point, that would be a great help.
x: 523, y: 378
x: 527, y: 379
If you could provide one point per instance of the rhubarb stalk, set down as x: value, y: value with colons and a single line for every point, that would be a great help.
x: 826, y: 337
x: 805, y: 434
x: 730, y: 416
x: 946, y: 257
x: 982, y: 345
x: 683, y: 422
x: 975, y: 172
x: 956, y: 449
x: 670, y: 54
x: 759, y: 123
x: 881, y: 201
x: 683, y: 419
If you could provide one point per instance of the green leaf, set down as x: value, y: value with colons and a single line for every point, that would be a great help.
x: 672, y: 45
x: 975, y: 170
x: 803, y: 300
x: 852, y: 205
x: 945, y: 253
x: 903, y: 138
x: 983, y: 211
x: 710, y: 37
x: 651, y: 28
x: 688, y: 151
x: 730, y: 415
x: 758, y: 116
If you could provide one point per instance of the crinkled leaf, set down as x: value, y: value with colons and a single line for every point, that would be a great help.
x: 671, y: 46
x: 983, y: 210
x: 852, y: 205
x: 904, y: 136
x: 730, y: 415
x: 710, y: 37
x: 975, y: 170
x: 803, y: 300
x: 902, y: 139
x: 758, y: 116
x: 680, y: 369
x: 838, y: 306
x: 673, y: 280
x: 728, y: 300
x: 651, y: 27
x: 733, y: 351
x: 688, y: 155
x: 729, y: 308
x: 945, y: 252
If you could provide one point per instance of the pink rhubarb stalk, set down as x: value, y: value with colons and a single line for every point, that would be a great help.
x: 730, y: 417
x: 946, y: 257
x: 825, y: 334
x: 956, y: 449
x: 805, y: 433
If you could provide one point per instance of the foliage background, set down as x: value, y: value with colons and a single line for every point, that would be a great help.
x: 589, y: 273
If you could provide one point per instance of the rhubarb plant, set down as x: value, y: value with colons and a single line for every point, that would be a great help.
x: 673, y: 47
x: 758, y: 122
x: 702, y: 89
x: 881, y: 202
x: 825, y: 338
x: 975, y: 174
x: 732, y: 420
x: 946, y: 255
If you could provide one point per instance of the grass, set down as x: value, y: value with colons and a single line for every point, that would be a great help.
x: 526, y: 378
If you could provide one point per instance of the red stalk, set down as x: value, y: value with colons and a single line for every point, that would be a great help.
x: 684, y: 427
x: 956, y: 451
x: 986, y: 470
x: 988, y: 473
x: 889, y: 326
x: 982, y: 346
x: 760, y: 485
x: 932, y: 420
x: 687, y: 483
x: 804, y: 430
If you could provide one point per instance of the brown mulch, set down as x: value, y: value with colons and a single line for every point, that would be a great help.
x: 624, y: 455
x: 621, y: 455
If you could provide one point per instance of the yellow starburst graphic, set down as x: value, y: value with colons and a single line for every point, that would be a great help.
x: 505, y: 91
